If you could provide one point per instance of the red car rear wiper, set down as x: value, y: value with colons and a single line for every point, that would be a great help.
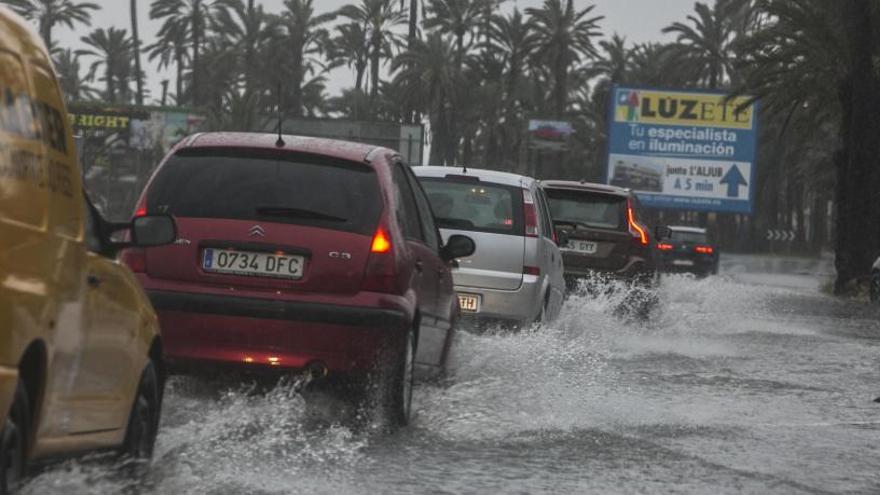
x: 286, y: 211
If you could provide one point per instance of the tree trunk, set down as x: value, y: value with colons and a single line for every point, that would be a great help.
x: 138, y: 75
x: 197, y: 41
x: 250, y: 57
x: 360, y: 68
x: 857, y: 242
x: 413, y: 22
x: 111, y: 85
x: 375, y: 56
x: 297, y: 80
x: 46, y: 33
x: 178, y: 62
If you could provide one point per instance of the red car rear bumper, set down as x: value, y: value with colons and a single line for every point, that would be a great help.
x: 278, y: 332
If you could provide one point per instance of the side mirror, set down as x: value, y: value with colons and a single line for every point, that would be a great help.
x: 662, y: 232
x: 153, y: 230
x: 458, y: 246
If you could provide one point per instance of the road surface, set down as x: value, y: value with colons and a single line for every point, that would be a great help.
x: 751, y: 381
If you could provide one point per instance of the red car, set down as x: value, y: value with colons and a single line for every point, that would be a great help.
x: 299, y: 254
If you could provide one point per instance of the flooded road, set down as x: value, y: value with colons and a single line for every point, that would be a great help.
x: 751, y: 381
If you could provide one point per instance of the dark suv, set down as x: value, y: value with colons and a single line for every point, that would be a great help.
x: 689, y: 250
x: 600, y: 231
x: 302, y: 254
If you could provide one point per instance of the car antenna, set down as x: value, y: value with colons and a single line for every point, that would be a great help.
x: 280, y: 143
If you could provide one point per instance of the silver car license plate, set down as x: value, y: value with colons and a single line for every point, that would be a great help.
x: 469, y: 303
x: 252, y: 264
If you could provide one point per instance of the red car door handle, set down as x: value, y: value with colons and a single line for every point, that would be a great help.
x: 419, y: 266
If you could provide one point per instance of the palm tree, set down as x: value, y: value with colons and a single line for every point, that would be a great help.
x: 814, y: 61
x: 705, y: 49
x: 247, y: 31
x: 564, y: 40
x: 113, y: 49
x: 305, y: 40
x: 429, y: 80
x: 171, y: 47
x: 139, y: 76
x: 48, y: 13
x: 74, y: 86
x: 614, y: 63
x: 379, y: 18
x: 184, y: 19
x: 351, y: 47
x: 459, y: 18
x: 513, y: 39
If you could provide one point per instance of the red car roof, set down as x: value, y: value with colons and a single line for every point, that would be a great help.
x: 345, y: 150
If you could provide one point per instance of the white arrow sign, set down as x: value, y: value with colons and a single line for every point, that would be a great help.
x: 780, y: 235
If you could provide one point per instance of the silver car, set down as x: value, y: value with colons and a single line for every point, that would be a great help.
x: 515, y: 274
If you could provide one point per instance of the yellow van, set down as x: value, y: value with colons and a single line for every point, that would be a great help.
x: 80, y: 350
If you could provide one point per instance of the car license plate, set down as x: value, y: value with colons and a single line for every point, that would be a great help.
x: 682, y: 262
x: 252, y: 264
x: 469, y: 303
x: 586, y: 247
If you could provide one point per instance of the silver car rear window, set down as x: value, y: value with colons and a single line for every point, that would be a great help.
x: 475, y: 205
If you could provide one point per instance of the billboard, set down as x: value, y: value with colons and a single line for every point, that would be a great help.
x: 549, y: 134
x: 683, y: 149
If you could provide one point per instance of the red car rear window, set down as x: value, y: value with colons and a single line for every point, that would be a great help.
x: 268, y: 186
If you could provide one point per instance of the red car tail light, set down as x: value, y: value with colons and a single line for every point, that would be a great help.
x: 664, y: 246
x: 704, y: 249
x: 530, y: 214
x: 380, y: 244
x: 381, y: 272
x: 135, y: 259
x: 638, y: 232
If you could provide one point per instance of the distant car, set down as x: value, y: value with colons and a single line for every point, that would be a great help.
x: 307, y: 254
x: 875, y: 281
x: 602, y: 231
x: 80, y: 348
x: 688, y: 249
x: 515, y: 274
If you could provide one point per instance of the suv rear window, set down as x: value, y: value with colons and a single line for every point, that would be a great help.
x: 683, y: 236
x: 268, y: 186
x: 606, y: 211
x: 475, y: 205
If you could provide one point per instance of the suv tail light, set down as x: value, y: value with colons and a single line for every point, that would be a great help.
x: 704, y: 249
x: 530, y: 215
x: 135, y: 259
x: 640, y: 235
x: 381, y: 272
x: 141, y: 209
x: 664, y: 246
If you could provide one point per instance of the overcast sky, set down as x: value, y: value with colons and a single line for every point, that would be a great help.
x: 638, y: 20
